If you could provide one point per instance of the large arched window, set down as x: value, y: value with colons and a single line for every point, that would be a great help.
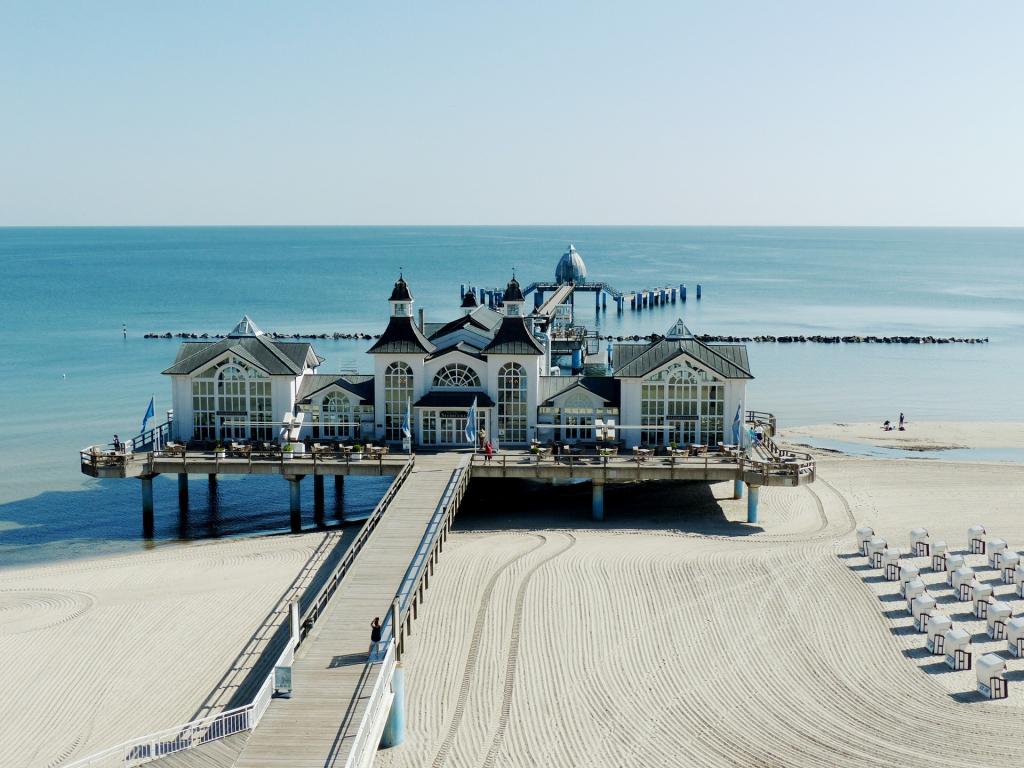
x: 457, y: 376
x: 681, y: 404
x: 577, y: 416
x: 336, y: 418
x: 398, y: 389
x: 512, y: 403
x: 231, y: 401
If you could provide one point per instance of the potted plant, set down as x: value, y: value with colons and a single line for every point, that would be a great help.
x: 287, y: 451
x: 357, y: 452
x: 534, y: 449
x: 219, y: 451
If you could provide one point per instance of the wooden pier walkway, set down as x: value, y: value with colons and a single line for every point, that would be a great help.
x: 316, y: 726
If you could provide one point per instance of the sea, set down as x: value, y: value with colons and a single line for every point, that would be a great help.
x: 69, y: 377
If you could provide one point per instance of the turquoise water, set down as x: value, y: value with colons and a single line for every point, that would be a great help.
x: 68, y: 379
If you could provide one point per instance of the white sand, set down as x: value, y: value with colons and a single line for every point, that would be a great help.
x: 94, y: 652
x: 930, y: 435
x: 636, y: 643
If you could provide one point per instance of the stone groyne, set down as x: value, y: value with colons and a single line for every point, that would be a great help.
x: 762, y: 339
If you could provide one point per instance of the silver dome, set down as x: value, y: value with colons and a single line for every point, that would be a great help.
x: 571, y: 268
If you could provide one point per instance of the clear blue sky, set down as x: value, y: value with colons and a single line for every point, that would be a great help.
x: 478, y: 112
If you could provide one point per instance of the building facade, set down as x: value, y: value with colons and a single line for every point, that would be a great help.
x: 428, y: 377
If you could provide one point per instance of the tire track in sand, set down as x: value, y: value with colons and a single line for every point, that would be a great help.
x: 513, y: 652
x: 474, y: 652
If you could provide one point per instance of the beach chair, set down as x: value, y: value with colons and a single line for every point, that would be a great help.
x: 981, y: 596
x: 1008, y: 563
x: 939, y: 552
x: 921, y: 608
x: 891, y: 564
x: 1018, y: 579
x: 991, y: 675
x: 1015, y: 636
x: 936, y: 628
x: 920, y: 542
x: 995, y: 548
x: 961, y: 580
x: 999, y: 614
x: 908, y: 573
x: 953, y: 562
x: 911, y: 590
x: 875, y: 548
x: 957, y: 646
x: 864, y: 535
x: 976, y: 539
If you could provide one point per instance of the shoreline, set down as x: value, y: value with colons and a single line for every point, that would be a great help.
x: 918, y: 437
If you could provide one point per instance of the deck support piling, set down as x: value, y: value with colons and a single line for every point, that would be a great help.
x: 183, y: 491
x: 597, y: 500
x: 394, y: 729
x: 318, y: 499
x: 147, y: 506
x: 737, y: 489
x: 752, y: 494
x: 339, y: 497
x: 295, y: 501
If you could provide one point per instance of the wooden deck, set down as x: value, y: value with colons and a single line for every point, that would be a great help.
x: 316, y: 726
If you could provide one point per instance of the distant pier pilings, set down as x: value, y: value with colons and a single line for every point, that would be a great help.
x: 762, y: 339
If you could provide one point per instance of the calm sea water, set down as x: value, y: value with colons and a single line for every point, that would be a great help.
x: 68, y: 379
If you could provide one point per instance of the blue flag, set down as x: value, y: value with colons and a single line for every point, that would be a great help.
x: 471, y: 424
x: 737, y: 426
x: 406, y: 431
x: 148, y: 416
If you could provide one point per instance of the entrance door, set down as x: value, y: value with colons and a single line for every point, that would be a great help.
x: 453, y: 428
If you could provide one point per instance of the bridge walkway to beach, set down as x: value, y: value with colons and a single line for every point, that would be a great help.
x: 331, y: 679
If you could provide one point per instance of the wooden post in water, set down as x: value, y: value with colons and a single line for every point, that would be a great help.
x: 147, y: 506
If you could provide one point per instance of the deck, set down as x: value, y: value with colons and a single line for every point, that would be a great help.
x: 330, y: 674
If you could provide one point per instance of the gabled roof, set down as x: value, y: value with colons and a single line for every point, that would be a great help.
x: 662, y: 351
x: 623, y: 353
x: 401, y: 336
x: 605, y: 387
x: 359, y: 385
x: 272, y: 357
x: 513, y: 338
x: 463, y: 347
x: 458, y: 324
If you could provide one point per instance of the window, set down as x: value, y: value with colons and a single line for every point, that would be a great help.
x: 712, y: 417
x: 652, y: 413
x: 398, y: 389
x: 204, y: 409
x: 682, y: 404
x: 577, y: 417
x: 231, y: 401
x: 457, y: 376
x: 512, y: 403
x: 336, y: 416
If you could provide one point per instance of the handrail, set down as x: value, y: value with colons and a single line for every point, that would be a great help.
x: 313, y: 612
x: 245, y: 718
x: 361, y: 744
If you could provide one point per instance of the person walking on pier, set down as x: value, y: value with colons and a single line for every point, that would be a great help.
x: 488, y: 451
x: 374, y: 634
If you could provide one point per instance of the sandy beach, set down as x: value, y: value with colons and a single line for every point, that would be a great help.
x: 99, y: 651
x: 922, y: 436
x: 675, y: 634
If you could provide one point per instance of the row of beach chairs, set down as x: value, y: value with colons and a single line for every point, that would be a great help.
x: 941, y: 636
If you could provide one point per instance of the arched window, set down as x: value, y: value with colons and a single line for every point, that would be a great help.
x: 231, y: 401
x: 682, y: 404
x: 457, y: 376
x: 336, y: 419
x: 398, y: 389
x: 512, y: 403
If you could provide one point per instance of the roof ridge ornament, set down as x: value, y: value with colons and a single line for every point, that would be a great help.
x: 678, y: 331
x: 245, y: 327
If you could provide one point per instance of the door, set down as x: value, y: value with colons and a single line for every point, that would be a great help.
x: 453, y: 428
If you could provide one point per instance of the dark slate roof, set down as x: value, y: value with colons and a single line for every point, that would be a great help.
x: 513, y: 292
x: 463, y: 347
x: 454, y: 399
x: 605, y: 387
x: 460, y: 323
x: 734, y: 353
x: 360, y: 385
x: 624, y: 353
x: 660, y: 352
x: 469, y: 300
x: 402, y: 335
x: 513, y: 338
x: 273, y: 357
x: 401, y: 291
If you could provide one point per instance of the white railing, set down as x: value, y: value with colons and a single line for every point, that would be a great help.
x: 367, y: 737
x: 193, y: 733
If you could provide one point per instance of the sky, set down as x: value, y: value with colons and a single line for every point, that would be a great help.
x: 674, y: 113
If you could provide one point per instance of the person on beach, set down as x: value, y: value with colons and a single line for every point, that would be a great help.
x: 374, y: 633
x: 901, y: 421
x: 488, y: 451
x: 117, y: 444
x: 887, y: 425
